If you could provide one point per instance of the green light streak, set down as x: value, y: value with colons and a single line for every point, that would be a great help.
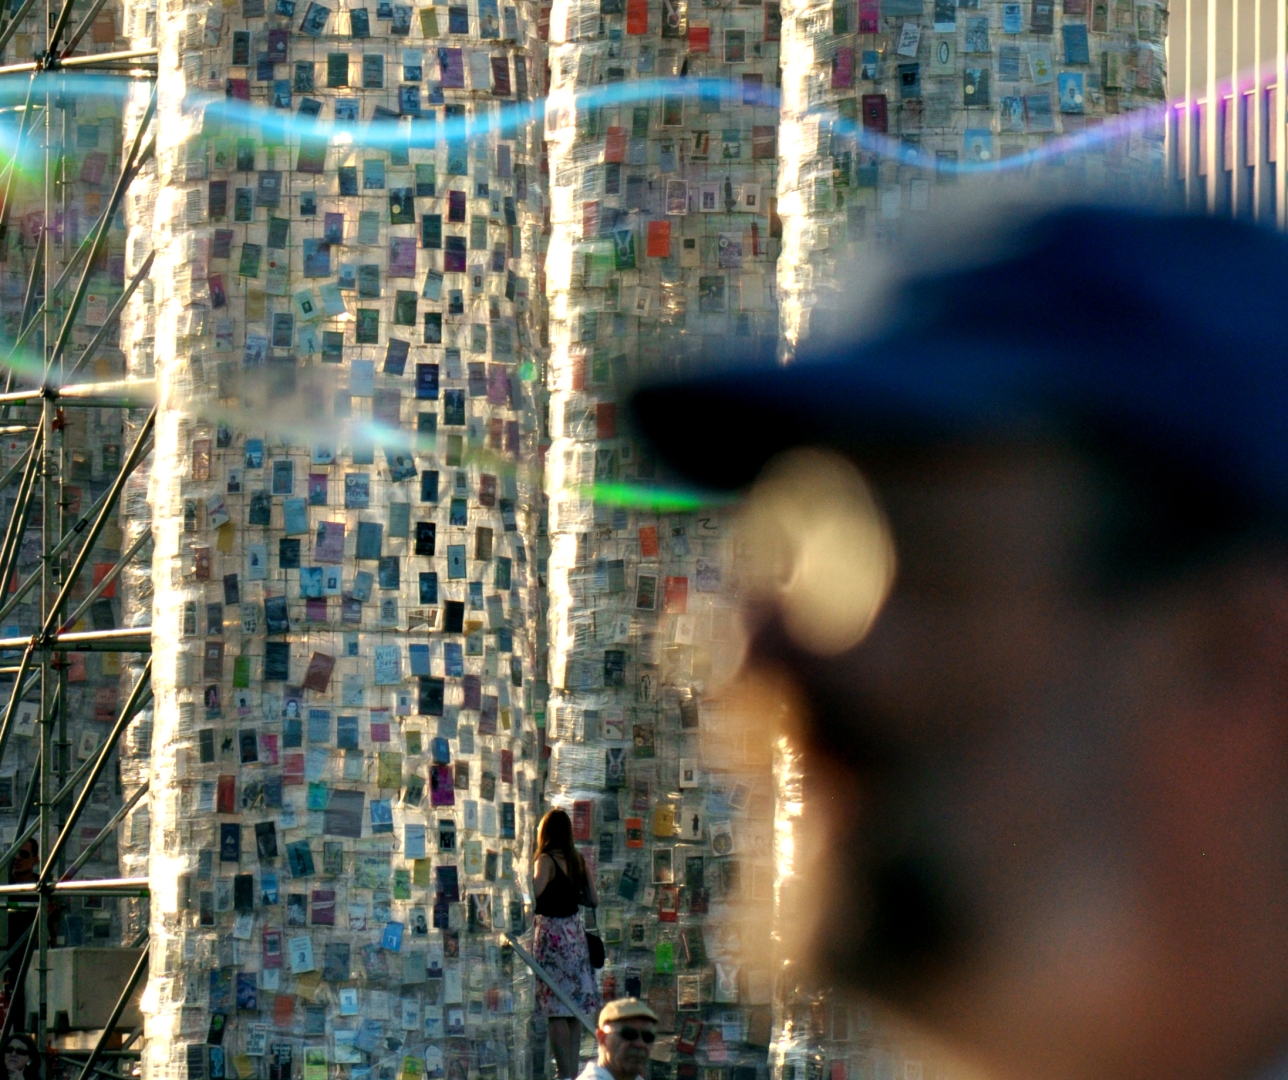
x: 656, y: 500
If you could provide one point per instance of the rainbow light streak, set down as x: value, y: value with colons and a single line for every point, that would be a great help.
x: 283, y: 123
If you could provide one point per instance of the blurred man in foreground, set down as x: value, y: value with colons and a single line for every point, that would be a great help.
x: 1023, y: 562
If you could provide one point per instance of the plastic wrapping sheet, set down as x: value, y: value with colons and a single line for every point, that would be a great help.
x: 886, y: 102
x: 344, y: 753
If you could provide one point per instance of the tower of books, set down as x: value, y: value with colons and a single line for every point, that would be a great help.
x: 343, y: 756
x: 661, y: 129
x: 884, y: 102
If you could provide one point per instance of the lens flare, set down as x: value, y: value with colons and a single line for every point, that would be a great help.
x: 819, y: 547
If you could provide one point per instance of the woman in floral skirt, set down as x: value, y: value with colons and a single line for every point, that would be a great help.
x: 561, y: 885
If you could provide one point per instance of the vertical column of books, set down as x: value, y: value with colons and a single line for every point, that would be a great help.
x: 887, y: 102
x: 138, y: 336
x: 343, y: 495
x: 661, y: 128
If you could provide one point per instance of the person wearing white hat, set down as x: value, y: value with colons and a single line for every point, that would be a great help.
x: 626, y: 1031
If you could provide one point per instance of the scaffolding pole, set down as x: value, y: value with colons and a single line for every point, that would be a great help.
x: 56, y: 287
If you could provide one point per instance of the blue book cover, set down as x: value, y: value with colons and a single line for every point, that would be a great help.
x: 320, y: 727
x: 429, y: 587
x: 275, y: 617
x: 310, y: 582
x: 1070, y: 83
x: 370, y: 534
x: 283, y: 477
x: 363, y: 580
x: 382, y: 816
x: 427, y: 382
x: 295, y: 516
x: 1076, y: 49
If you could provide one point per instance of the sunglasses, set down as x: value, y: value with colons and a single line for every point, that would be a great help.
x: 630, y: 1034
x: 20, y: 1051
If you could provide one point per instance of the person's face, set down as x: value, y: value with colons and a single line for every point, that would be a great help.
x: 24, y: 862
x: 624, y: 1046
x: 16, y: 1058
x: 1026, y: 816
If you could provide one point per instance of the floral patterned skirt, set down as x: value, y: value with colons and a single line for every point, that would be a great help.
x: 559, y: 946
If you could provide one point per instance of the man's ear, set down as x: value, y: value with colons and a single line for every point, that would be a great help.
x: 600, y: 1036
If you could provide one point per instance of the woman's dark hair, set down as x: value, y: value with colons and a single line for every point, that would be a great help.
x: 554, y: 835
x: 31, y: 1071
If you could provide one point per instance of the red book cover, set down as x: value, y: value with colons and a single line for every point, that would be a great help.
x: 700, y: 37
x: 323, y: 907
x: 283, y: 1011
x: 690, y: 1032
x: 581, y: 820
x: 676, y: 596
x: 773, y: 22
x: 668, y: 907
x: 271, y: 948
x: 606, y: 420
x: 293, y: 769
x: 500, y: 76
x: 507, y: 766
x: 659, y: 240
x: 648, y: 540
x: 843, y: 69
x: 634, y: 832
x: 100, y: 572
x: 226, y: 795
x: 637, y: 16
x: 875, y: 117
x: 615, y: 145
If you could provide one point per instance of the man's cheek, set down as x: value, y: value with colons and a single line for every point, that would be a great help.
x: 829, y: 893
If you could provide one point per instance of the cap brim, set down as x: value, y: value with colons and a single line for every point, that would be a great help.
x: 718, y: 431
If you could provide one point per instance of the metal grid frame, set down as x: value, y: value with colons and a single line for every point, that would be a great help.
x: 57, y: 796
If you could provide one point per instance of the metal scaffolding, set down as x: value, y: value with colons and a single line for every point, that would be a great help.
x: 56, y: 290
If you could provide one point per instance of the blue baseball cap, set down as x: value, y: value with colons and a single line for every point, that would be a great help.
x: 1165, y: 333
